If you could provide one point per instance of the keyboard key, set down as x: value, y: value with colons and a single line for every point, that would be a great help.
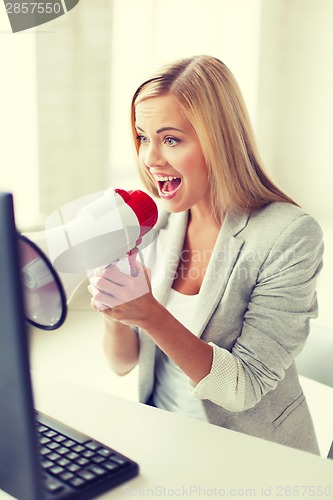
x: 56, y: 470
x: 52, y: 445
x: 77, y: 482
x: 73, y: 467
x: 50, y: 433
x: 118, y: 460
x: 66, y: 476
x: 63, y: 462
x: 44, y: 440
x: 59, y: 438
x: 78, y: 448
x: 69, y: 443
x: 46, y: 464
x: 105, y: 452
x: 53, y: 486
x: 99, y: 471
x: 44, y: 451
x: 92, y: 445
x: 110, y: 465
x: 62, y: 450
x: 72, y: 455
x: 87, y: 475
x: 82, y: 461
x: 88, y: 453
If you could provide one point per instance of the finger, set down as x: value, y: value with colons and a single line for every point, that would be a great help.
x: 112, y: 273
x: 108, y: 287
x: 101, y: 297
x: 112, y: 294
x: 97, y: 306
x: 94, y: 304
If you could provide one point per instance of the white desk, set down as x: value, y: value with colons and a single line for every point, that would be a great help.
x: 178, y: 455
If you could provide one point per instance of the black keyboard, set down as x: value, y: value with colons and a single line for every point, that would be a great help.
x: 76, y: 466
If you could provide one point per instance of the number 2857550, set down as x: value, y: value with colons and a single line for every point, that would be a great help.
x: 33, y: 7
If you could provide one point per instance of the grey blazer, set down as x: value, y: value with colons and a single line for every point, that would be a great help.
x: 258, y: 296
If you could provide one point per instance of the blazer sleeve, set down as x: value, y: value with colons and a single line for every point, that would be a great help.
x: 277, y: 321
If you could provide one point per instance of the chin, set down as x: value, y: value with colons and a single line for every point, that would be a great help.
x: 174, y: 208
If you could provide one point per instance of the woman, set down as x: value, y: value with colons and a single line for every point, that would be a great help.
x: 217, y: 340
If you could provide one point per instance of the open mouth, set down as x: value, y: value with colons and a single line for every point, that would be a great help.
x: 168, y: 185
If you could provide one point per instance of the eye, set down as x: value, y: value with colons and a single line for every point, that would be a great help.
x: 142, y: 139
x: 171, y: 141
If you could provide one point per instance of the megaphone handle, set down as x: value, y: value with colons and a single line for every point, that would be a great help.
x: 132, y: 261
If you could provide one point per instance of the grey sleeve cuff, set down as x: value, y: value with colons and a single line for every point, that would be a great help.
x: 225, y: 383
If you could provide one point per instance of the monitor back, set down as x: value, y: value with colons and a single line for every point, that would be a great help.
x: 19, y: 460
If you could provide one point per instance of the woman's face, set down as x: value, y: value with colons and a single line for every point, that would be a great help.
x: 170, y: 150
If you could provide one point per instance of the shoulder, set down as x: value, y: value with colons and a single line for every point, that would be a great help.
x: 280, y: 219
x: 276, y: 229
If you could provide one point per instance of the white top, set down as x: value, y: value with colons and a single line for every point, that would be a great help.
x: 175, y: 392
x: 171, y: 390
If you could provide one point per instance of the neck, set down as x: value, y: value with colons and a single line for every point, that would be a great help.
x: 203, y: 217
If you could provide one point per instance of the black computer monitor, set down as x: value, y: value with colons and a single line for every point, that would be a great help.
x: 18, y: 438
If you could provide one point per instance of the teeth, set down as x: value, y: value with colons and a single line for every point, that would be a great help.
x: 163, y: 179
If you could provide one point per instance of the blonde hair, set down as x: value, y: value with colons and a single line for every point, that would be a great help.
x: 210, y: 99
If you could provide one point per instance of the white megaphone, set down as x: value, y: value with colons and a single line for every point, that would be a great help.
x: 98, y: 230
x: 93, y: 231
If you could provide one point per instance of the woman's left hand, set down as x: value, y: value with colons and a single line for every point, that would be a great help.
x: 122, y: 297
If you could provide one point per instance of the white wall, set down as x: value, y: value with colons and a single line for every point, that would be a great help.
x: 150, y: 33
x: 295, y: 108
x: 18, y: 121
x: 295, y: 113
x: 54, y: 103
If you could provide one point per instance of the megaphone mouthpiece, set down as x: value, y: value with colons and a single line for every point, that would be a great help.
x: 143, y: 206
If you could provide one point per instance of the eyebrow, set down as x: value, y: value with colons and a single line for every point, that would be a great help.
x: 163, y: 129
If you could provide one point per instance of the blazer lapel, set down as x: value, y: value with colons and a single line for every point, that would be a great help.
x: 170, y: 242
x: 221, y: 264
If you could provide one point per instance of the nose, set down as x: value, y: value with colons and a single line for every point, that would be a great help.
x: 153, y: 157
